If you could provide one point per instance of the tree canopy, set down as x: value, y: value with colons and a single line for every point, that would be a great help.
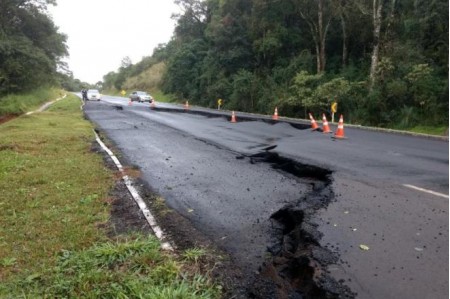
x: 31, y: 47
x: 385, y: 62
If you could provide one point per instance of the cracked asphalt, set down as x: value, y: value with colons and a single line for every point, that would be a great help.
x: 191, y: 160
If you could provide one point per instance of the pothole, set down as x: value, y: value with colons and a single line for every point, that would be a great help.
x: 297, y: 264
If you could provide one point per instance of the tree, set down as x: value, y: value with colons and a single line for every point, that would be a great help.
x: 377, y: 8
x: 126, y: 62
x: 301, y: 54
x: 324, y: 12
x: 31, y: 47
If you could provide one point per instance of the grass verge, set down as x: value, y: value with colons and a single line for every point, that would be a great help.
x: 17, y: 104
x: 54, y: 210
x: 438, y: 131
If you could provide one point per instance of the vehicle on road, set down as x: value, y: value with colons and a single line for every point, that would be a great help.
x: 140, y: 96
x: 93, y: 95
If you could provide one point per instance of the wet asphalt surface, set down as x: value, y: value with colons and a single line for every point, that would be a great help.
x: 201, y: 166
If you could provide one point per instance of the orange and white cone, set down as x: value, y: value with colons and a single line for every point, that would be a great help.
x: 325, y: 126
x: 130, y: 102
x: 340, y: 130
x: 233, y: 117
x: 275, y: 114
x: 186, y: 106
x: 153, y: 104
x: 314, y: 125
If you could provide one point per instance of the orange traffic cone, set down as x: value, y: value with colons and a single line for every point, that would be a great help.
x: 340, y: 130
x: 325, y: 126
x: 130, y: 102
x: 275, y: 114
x: 233, y: 117
x: 186, y: 106
x: 314, y: 125
x: 153, y: 104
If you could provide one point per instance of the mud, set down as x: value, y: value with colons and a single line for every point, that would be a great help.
x: 6, y: 118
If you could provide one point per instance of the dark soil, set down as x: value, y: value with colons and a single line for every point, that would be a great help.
x: 6, y: 118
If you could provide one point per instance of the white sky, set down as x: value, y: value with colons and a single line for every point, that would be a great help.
x: 102, y: 32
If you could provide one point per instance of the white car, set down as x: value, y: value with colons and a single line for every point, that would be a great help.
x: 93, y: 95
x: 140, y: 96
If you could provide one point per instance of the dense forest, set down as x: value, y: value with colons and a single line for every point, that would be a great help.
x: 31, y: 48
x: 385, y: 62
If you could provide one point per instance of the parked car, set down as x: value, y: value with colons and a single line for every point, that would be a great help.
x: 93, y: 95
x: 140, y: 96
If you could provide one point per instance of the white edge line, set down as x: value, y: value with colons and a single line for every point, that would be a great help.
x: 426, y: 190
x: 135, y: 194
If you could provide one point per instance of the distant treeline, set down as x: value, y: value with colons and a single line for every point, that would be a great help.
x: 385, y: 62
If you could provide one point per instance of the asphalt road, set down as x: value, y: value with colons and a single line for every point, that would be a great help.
x: 389, y: 191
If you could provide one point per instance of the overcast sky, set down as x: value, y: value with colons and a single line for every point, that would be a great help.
x: 102, y: 32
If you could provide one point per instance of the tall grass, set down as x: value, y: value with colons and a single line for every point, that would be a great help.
x: 148, y: 80
x: 16, y: 104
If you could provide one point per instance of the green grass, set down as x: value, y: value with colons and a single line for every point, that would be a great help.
x: 54, y: 208
x: 161, y: 97
x: 133, y: 268
x: 440, y: 131
x: 194, y: 254
x: 17, y: 104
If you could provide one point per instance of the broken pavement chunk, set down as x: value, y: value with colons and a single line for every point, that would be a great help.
x: 364, y: 247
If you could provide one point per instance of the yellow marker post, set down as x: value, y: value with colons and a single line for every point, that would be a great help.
x: 333, y: 111
x: 219, y: 103
x: 123, y: 92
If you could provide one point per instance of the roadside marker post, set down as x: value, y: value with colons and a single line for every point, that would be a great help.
x: 333, y: 111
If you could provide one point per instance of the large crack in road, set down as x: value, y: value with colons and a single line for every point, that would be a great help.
x: 261, y: 218
x: 297, y: 264
x: 270, y: 223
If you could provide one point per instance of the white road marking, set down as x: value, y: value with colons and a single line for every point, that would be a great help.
x: 426, y: 190
x: 135, y: 194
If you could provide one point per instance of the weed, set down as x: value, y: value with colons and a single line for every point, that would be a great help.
x: 8, y: 262
x: 160, y: 205
x: 194, y: 254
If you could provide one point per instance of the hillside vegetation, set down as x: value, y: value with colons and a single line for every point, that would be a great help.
x: 384, y: 62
